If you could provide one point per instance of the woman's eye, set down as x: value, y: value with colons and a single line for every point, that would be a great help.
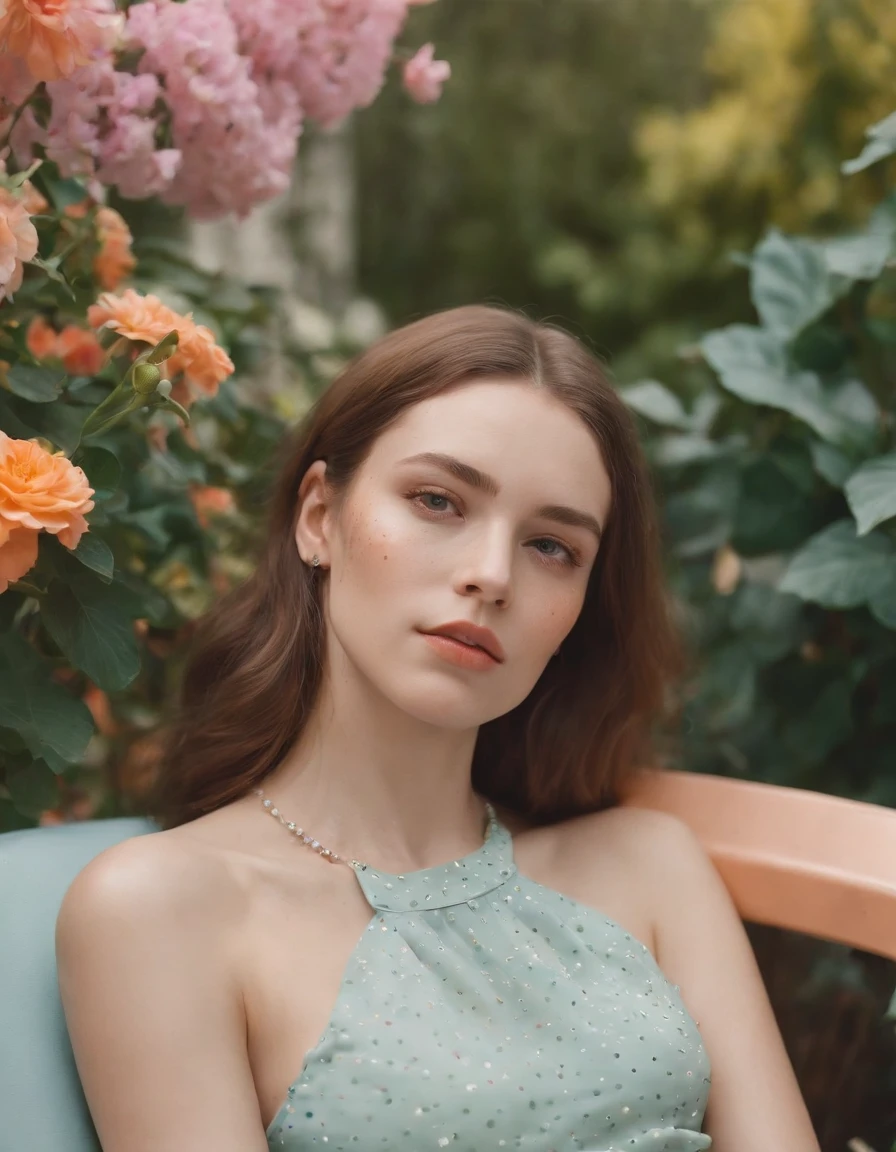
x: 564, y: 555
x: 443, y: 502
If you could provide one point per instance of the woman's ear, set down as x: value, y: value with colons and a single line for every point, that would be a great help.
x: 313, y: 520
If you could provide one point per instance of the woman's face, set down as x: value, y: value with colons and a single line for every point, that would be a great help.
x: 414, y: 546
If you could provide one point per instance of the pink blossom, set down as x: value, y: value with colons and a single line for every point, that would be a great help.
x: 423, y: 77
x: 335, y: 52
x: 103, y: 125
x: 18, y: 242
x: 236, y: 130
x: 225, y: 83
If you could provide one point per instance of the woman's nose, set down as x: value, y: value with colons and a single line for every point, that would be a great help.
x: 487, y: 567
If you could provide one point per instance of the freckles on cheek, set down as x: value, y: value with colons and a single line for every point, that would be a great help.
x: 560, y: 620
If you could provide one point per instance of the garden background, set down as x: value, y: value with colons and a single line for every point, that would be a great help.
x: 702, y: 189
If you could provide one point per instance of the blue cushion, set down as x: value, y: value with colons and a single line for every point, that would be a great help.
x: 41, y: 1102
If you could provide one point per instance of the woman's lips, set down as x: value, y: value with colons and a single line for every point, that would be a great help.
x: 456, y: 652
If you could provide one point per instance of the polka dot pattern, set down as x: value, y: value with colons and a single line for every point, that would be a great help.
x: 482, y: 1010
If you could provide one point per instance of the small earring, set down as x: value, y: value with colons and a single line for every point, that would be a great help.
x: 315, y: 561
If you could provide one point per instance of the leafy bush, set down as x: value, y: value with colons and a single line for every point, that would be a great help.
x: 88, y: 635
x: 135, y: 425
x: 780, y: 473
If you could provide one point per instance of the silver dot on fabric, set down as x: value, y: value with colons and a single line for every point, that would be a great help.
x: 479, y: 1001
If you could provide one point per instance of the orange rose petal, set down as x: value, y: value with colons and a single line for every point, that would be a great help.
x: 18, y: 555
x: 80, y: 351
x: 41, y: 338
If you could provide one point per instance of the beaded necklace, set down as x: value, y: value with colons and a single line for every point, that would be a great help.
x: 327, y: 853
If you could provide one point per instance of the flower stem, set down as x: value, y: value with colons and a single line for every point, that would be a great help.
x: 17, y: 114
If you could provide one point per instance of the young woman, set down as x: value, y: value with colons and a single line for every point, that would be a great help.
x: 438, y: 681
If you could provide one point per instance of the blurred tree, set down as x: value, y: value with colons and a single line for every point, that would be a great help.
x: 529, y: 149
x: 600, y: 161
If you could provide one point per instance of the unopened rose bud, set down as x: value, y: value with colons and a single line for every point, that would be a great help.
x: 146, y: 379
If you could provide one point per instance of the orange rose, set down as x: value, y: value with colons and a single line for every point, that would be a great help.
x: 41, y: 338
x: 34, y: 202
x: 39, y: 490
x: 209, y: 501
x: 147, y: 319
x: 79, y: 350
x: 114, y: 261
x: 18, y: 242
x: 54, y: 37
x: 201, y: 360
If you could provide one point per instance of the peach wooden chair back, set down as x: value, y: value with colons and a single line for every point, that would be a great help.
x: 818, y: 864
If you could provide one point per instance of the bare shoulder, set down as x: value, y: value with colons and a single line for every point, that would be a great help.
x: 641, y: 838
x: 152, y: 1005
x: 159, y: 874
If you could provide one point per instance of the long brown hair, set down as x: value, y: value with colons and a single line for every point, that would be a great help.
x: 255, y: 666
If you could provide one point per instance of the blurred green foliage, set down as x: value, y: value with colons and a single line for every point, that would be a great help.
x: 600, y: 161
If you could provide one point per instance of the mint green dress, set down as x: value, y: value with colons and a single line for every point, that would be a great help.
x: 481, y: 1010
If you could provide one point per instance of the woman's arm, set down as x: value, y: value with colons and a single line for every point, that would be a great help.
x: 153, y: 1011
x: 703, y: 947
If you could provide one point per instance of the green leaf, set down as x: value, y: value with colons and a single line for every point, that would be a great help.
x: 40, y: 385
x: 674, y: 451
x: 10, y: 603
x: 33, y: 788
x: 767, y: 621
x: 790, y: 284
x: 852, y: 403
x: 699, y: 519
x: 831, y: 464
x: 871, y: 492
x: 751, y: 363
x: 96, y: 555
x: 102, y: 469
x: 863, y: 255
x: 92, y: 624
x: 52, y: 723
x: 727, y: 688
x: 151, y: 522
x: 61, y: 192
x: 812, y: 734
x: 11, y: 423
x: 172, y: 473
x: 839, y: 569
x: 657, y: 403
x: 775, y: 511
x: 883, y: 606
x: 50, y: 268
x: 58, y: 423
x: 881, y: 143
x: 821, y: 347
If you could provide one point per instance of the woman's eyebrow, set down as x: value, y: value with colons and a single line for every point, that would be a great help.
x: 468, y: 474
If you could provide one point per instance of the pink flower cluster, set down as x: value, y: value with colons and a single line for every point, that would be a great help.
x: 211, y: 114
x: 236, y: 128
